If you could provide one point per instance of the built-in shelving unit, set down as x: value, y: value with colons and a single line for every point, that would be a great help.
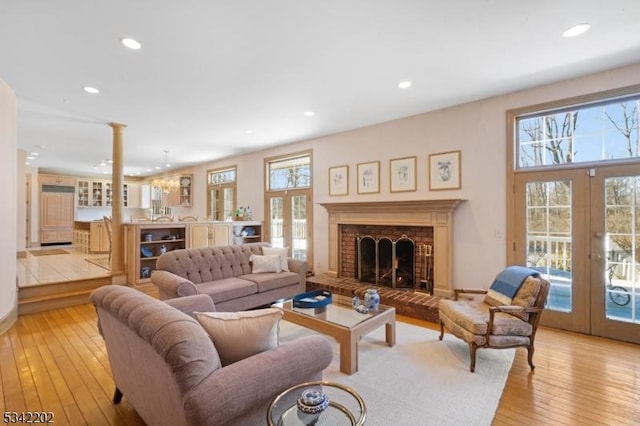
x: 146, y: 243
x: 246, y: 232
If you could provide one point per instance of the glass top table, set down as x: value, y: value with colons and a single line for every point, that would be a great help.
x: 346, y: 407
x: 340, y: 321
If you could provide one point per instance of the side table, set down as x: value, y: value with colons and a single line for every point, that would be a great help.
x: 346, y: 406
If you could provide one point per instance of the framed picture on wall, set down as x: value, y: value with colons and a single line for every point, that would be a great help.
x: 339, y: 180
x: 369, y: 177
x: 444, y: 171
x: 402, y: 174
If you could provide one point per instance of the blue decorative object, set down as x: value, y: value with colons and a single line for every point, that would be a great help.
x: 145, y: 272
x: 146, y: 251
x: 312, y: 401
x: 312, y: 299
x: 372, y: 299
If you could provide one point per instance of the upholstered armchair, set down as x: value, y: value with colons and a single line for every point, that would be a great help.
x: 494, y: 321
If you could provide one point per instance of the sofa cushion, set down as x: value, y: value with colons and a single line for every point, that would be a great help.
x: 283, y: 252
x: 270, y: 281
x: 238, y: 335
x: 266, y: 263
x: 227, y: 289
x: 473, y: 316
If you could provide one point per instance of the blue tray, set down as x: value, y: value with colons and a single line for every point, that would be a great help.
x: 312, y: 299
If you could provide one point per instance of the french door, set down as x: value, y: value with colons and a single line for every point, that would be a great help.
x: 581, y: 229
x: 289, y: 214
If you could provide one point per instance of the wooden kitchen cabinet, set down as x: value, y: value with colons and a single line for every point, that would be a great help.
x: 98, y: 237
x: 45, y: 179
x: 208, y: 235
x: 56, y: 216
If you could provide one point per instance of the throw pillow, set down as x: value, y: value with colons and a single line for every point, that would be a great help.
x: 282, y: 252
x: 527, y: 295
x: 238, y: 335
x: 269, y: 263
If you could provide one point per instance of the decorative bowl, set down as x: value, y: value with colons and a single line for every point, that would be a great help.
x: 146, y: 251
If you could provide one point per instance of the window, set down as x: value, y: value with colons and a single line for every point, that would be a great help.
x: 289, y: 173
x: 289, y: 204
x: 602, y: 131
x: 221, y: 194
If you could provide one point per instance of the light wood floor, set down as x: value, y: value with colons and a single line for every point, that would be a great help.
x: 56, y: 361
x: 72, y: 265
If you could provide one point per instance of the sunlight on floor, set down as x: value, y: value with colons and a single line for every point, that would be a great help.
x: 73, y: 265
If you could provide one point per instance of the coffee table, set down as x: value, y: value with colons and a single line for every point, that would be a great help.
x: 346, y: 406
x: 340, y: 321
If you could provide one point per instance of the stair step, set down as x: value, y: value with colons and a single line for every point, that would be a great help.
x: 46, y: 297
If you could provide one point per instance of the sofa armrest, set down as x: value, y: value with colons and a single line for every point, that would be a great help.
x: 300, y: 267
x: 191, y: 304
x: 230, y: 391
x: 459, y: 291
x: 172, y: 285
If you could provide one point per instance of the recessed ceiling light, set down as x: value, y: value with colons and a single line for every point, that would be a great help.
x: 31, y: 157
x: 157, y: 167
x: 91, y: 90
x: 309, y: 113
x: 576, y: 30
x: 34, y: 153
x: 249, y: 132
x: 404, y: 84
x: 131, y: 43
x: 27, y: 163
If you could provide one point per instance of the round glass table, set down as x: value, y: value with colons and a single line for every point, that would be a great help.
x: 345, y: 407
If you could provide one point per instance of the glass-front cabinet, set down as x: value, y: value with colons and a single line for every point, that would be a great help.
x: 83, y: 199
x: 98, y: 193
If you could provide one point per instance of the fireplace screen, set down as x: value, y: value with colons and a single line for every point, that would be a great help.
x: 386, y: 262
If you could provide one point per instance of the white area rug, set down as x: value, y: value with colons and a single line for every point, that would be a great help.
x: 421, y: 380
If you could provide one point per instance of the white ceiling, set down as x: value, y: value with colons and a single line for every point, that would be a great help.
x: 209, y: 71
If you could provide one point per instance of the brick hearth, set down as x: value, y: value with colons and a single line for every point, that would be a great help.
x: 407, y: 302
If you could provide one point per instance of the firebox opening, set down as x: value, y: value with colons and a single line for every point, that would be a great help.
x: 386, y: 262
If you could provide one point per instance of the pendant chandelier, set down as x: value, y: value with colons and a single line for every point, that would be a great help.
x: 166, y: 184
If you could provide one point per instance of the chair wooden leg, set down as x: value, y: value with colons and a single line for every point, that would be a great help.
x: 472, y: 357
x: 441, y: 331
x: 117, y: 396
x: 530, y: 356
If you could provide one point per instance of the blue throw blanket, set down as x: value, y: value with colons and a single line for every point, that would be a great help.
x: 508, y: 282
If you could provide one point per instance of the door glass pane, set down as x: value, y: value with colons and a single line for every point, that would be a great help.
x: 622, y: 248
x: 228, y: 197
x: 299, y: 231
x: 549, y: 238
x: 276, y: 206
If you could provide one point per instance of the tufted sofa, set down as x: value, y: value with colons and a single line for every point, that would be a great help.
x: 167, y: 367
x: 225, y: 274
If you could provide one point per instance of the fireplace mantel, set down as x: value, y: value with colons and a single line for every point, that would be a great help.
x: 433, y: 213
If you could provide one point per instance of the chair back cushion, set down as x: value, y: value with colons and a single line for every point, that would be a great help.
x: 527, y: 295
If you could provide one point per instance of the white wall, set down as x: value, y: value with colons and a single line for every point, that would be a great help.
x: 478, y: 129
x: 8, y: 214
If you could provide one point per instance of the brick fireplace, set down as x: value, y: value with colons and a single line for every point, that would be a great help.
x: 428, y: 221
